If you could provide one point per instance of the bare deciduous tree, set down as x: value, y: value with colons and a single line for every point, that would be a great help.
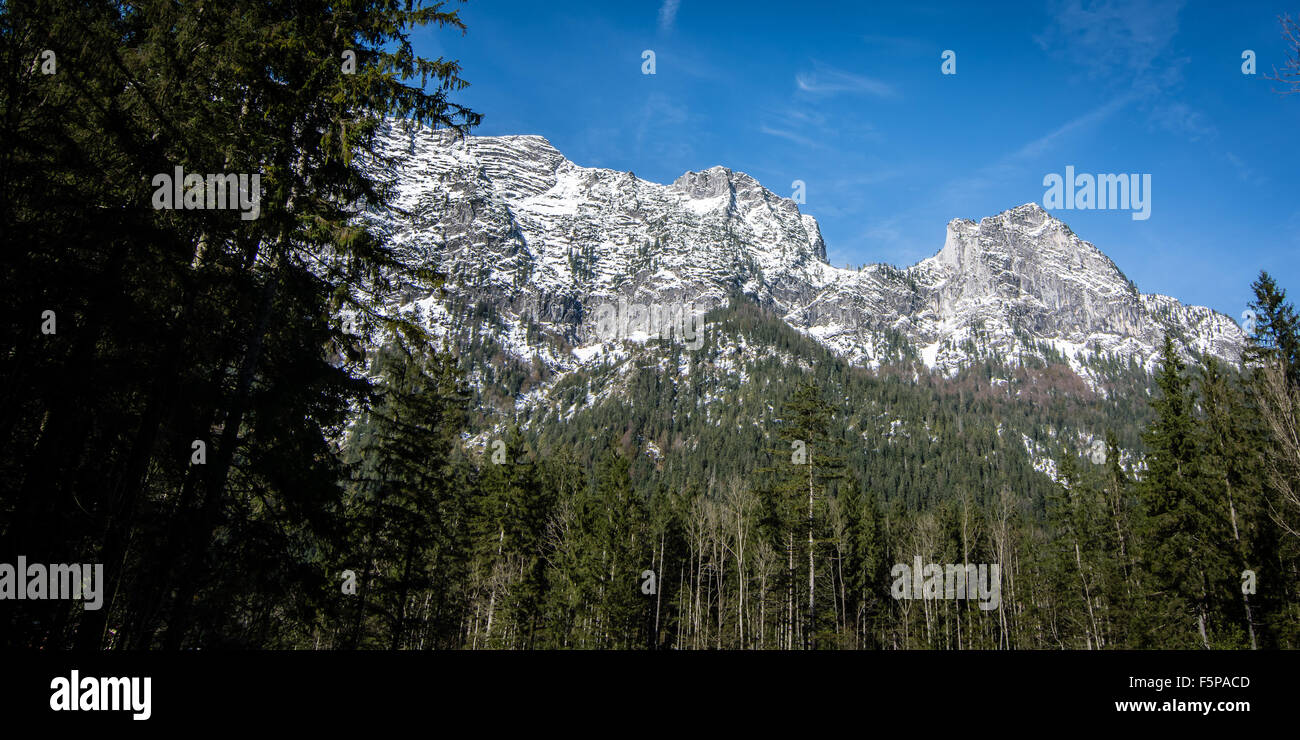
x: 1279, y: 404
x: 1289, y: 74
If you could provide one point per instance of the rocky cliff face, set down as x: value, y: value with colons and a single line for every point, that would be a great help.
x: 547, y: 244
x: 1025, y: 272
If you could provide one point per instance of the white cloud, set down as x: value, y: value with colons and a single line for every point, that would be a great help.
x: 1109, y: 35
x: 1087, y: 121
x: 1182, y: 119
x: 668, y: 14
x: 826, y: 80
x: 1129, y: 43
x: 812, y: 128
x: 796, y: 138
x: 1244, y: 171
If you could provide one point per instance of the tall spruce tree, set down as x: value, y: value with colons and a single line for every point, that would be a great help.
x: 178, y: 427
x: 805, y: 470
x: 1275, y: 338
x: 1181, y: 541
x: 405, y: 500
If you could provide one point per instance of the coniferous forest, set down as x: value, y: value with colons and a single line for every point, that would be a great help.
x: 191, y: 399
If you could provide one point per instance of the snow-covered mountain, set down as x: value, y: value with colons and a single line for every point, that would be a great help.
x: 549, y: 245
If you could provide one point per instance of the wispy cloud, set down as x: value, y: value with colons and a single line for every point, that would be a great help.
x: 659, y: 129
x: 668, y: 14
x: 1182, y: 119
x: 1080, y: 124
x: 1131, y: 41
x: 1103, y: 36
x: 827, y: 80
x: 813, y: 129
x: 1244, y: 171
x: 956, y: 196
x: 790, y: 135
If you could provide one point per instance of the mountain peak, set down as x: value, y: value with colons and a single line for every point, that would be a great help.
x: 713, y: 181
x: 1030, y: 207
x: 1026, y: 216
x: 537, y: 230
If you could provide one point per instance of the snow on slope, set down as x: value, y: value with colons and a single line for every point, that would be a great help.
x: 547, y: 243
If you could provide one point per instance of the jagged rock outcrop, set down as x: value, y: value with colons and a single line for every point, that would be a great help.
x: 547, y: 242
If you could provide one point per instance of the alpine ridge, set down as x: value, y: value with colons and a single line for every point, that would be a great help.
x: 545, y: 242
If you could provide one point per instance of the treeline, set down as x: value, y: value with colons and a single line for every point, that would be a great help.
x: 1191, y: 546
x: 919, y: 435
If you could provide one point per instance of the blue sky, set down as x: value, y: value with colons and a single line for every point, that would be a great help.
x: 849, y: 98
